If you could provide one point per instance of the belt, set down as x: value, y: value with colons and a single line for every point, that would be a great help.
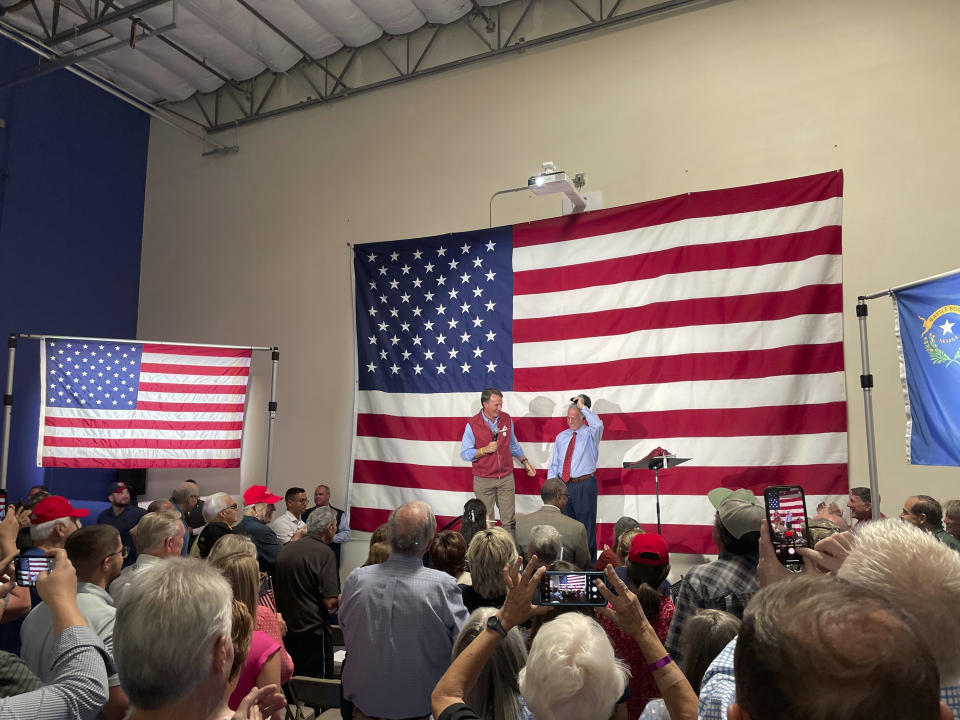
x: 581, y: 477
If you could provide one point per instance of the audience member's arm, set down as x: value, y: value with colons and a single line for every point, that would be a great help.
x: 343, y: 531
x: 9, y: 528
x: 687, y: 604
x: 517, y: 608
x: 78, y: 683
x: 678, y: 695
x: 270, y: 674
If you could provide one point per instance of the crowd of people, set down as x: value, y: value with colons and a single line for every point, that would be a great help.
x: 448, y: 623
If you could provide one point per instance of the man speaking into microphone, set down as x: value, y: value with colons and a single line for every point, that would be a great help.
x: 490, y: 444
x: 574, y: 461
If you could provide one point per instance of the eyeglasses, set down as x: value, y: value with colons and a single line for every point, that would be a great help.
x: 122, y: 552
x: 230, y: 507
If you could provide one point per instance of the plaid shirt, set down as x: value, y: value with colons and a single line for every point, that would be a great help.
x: 77, y: 688
x: 718, y: 690
x: 727, y: 583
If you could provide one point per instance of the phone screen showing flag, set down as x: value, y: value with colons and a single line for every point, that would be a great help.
x: 787, y: 517
x: 570, y: 588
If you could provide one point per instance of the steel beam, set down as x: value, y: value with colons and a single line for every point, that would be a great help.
x: 130, y: 10
x: 598, y: 24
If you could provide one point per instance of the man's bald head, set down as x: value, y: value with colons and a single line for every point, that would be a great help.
x: 410, y: 529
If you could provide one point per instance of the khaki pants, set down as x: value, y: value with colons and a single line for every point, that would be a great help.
x: 500, y: 491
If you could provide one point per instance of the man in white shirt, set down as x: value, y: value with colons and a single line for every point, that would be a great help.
x: 159, y: 536
x: 289, y: 526
x: 97, y: 554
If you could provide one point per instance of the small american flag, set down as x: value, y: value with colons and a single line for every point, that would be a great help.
x: 137, y: 405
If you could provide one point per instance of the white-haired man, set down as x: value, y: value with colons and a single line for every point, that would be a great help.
x: 159, y: 536
x: 221, y: 512
x: 181, y: 598
x: 396, y: 657
x: 259, y: 504
x: 576, y: 452
x: 306, y: 585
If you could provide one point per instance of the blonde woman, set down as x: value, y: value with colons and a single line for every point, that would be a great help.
x: 263, y: 664
x: 488, y: 552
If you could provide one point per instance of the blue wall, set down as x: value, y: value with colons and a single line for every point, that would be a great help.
x: 72, y: 176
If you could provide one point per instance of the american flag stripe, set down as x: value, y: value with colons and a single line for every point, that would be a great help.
x: 129, y: 404
x: 709, y: 324
x: 140, y: 424
x: 684, y: 480
x: 710, y: 311
x: 722, y: 422
x: 771, y: 391
x: 709, y: 451
x: 677, y: 286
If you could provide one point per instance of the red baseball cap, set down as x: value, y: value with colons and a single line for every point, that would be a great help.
x: 649, y: 549
x: 54, y: 507
x: 259, y: 494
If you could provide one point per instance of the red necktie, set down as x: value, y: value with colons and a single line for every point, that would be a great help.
x: 568, y: 459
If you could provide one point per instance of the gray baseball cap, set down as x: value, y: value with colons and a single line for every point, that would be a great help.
x: 740, y: 510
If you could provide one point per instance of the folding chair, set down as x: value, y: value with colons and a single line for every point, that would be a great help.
x: 317, y: 693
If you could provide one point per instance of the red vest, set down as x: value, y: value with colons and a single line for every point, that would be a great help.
x: 500, y: 463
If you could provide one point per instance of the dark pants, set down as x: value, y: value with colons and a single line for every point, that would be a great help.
x: 582, y: 506
x: 312, y: 652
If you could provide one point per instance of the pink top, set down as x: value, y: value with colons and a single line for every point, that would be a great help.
x: 642, y: 685
x: 262, y: 648
x: 267, y: 622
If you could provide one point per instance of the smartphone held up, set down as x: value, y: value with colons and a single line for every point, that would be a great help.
x: 562, y: 588
x: 787, y: 519
x: 29, y: 567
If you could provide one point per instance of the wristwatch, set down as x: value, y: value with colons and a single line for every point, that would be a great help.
x: 493, y: 623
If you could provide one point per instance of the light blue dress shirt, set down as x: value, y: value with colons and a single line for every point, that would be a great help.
x: 468, y: 449
x: 399, y: 622
x: 585, y: 452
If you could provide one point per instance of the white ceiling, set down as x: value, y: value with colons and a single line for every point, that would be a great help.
x: 225, y: 35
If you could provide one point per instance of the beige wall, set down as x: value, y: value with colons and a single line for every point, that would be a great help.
x: 252, y: 248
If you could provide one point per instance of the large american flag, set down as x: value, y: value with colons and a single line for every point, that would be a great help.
x: 127, y: 404
x: 707, y: 323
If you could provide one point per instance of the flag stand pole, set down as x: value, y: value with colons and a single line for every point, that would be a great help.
x: 866, y: 379
x: 866, y: 384
x: 272, y: 407
x: 7, y: 410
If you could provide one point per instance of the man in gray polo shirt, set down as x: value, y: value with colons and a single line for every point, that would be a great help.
x: 97, y: 554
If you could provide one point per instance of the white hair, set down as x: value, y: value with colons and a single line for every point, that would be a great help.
x: 214, y: 504
x: 179, y: 598
x: 545, y: 542
x: 571, y: 671
x: 320, y: 518
x: 154, y: 529
x: 42, y: 531
x: 919, y: 576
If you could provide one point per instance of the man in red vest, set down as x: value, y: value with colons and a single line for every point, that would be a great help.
x: 490, y: 444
